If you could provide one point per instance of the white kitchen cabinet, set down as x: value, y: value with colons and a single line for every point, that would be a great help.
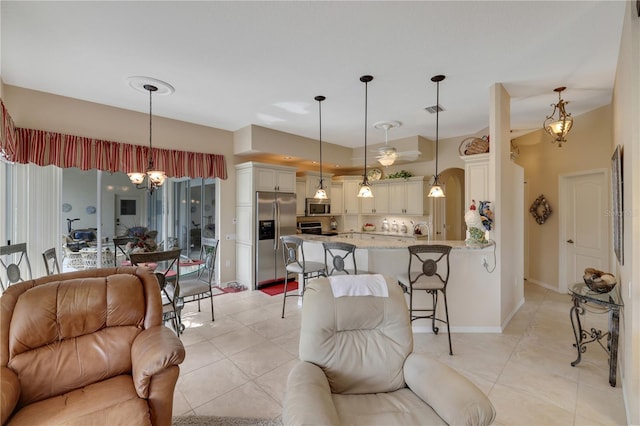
x: 351, y: 201
x: 379, y: 204
x: 408, y: 196
x: 476, y: 177
x: 273, y: 178
x: 337, y: 205
x: 301, y: 192
x: 312, y: 182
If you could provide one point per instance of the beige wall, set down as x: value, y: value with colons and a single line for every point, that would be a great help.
x: 626, y: 132
x: 588, y: 147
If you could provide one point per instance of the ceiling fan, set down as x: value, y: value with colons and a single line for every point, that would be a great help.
x: 386, y: 154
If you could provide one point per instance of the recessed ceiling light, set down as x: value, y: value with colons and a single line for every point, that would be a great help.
x: 287, y: 158
x: 138, y: 83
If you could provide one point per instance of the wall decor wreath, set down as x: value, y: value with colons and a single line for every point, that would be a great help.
x: 540, y: 209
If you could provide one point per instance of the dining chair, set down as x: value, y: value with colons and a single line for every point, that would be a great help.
x: 337, y: 255
x: 13, y: 270
x: 168, y: 273
x: 200, y: 287
x: 295, y: 263
x: 51, y: 261
x: 120, y: 249
x: 428, y: 271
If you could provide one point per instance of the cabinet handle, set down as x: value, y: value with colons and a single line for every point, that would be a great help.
x: 570, y: 241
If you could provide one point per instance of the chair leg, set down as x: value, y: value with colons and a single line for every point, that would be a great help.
x: 434, y: 297
x: 211, y: 300
x: 446, y: 313
x: 284, y: 293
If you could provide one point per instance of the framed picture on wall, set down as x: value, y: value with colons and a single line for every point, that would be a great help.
x: 618, y: 208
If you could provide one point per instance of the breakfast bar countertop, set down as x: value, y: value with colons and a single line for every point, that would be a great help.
x: 387, y: 241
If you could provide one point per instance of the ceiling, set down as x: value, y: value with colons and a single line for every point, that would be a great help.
x: 239, y: 63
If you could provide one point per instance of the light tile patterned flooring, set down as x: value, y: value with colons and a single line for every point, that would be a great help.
x: 238, y: 365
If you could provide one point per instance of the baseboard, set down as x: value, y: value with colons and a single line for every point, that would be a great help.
x: 511, y: 315
x: 543, y: 284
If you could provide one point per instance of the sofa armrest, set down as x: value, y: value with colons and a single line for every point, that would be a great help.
x: 308, y: 400
x: 10, y: 394
x: 454, y: 397
x: 154, y: 350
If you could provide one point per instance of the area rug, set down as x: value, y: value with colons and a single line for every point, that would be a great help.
x: 223, y: 421
x: 273, y: 290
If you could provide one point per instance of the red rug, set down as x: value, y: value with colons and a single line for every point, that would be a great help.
x: 273, y: 290
x: 219, y: 291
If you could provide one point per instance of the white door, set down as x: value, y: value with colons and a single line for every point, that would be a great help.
x: 128, y: 213
x: 584, y: 226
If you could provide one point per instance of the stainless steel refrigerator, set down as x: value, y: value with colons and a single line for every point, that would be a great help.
x: 276, y: 216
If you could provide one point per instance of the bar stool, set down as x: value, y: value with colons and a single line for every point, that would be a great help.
x: 294, y: 262
x: 432, y: 276
x: 336, y: 255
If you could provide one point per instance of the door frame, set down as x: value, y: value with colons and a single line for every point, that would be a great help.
x: 563, y: 187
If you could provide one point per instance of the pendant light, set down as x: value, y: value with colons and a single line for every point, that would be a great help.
x: 436, y: 189
x: 321, y: 193
x: 365, y: 188
x: 155, y: 178
x: 558, y: 128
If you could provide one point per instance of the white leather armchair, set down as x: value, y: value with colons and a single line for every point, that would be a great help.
x: 357, y: 367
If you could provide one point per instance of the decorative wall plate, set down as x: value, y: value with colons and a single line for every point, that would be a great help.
x: 374, y: 174
x: 66, y: 207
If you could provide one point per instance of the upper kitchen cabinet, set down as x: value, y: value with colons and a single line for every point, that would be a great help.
x: 408, y: 196
x: 312, y: 182
x: 254, y: 176
x: 301, y: 190
x: 379, y: 204
x: 350, y: 200
x: 337, y: 204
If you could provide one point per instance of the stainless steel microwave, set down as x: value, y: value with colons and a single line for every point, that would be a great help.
x: 315, y: 207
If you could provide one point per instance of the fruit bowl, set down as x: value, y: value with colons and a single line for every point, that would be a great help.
x: 369, y: 227
x: 598, y: 281
x: 598, y: 285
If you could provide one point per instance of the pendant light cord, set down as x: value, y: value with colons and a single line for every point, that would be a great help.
x: 437, y: 126
x: 366, y: 103
x: 320, y: 121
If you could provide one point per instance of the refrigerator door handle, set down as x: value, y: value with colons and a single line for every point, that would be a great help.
x: 276, y: 216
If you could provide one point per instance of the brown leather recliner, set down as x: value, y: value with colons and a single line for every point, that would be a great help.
x: 87, y: 348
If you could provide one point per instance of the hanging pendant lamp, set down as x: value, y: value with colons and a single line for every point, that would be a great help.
x: 558, y: 128
x: 155, y: 178
x: 365, y: 188
x: 321, y: 193
x: 436, y: 189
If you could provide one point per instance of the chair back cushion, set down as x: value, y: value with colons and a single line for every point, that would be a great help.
x: 361, y: 342
x: 66, y: 331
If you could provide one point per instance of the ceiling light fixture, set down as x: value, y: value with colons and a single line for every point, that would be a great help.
x: 436, y: 189
x: 321, y: 193
x: 558, y: 128
x: 387, y: 155
x: 365, y: 188
x: 155, y: 178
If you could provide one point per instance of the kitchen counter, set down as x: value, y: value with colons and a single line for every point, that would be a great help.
x: 473, y: 291
x: 386, y: 240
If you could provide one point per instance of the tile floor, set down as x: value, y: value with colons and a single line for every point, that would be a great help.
x: 238, y: 365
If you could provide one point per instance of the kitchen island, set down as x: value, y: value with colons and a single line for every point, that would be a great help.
x: 473, y: 291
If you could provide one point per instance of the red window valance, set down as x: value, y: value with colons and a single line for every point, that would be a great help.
x: 49, y: 148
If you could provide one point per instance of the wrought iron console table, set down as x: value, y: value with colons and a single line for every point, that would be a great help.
x: 610, y: 302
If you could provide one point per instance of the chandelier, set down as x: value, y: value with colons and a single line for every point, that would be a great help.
x: 155, y: 178
x: 558, y: 127
x: 321, y: 193
x: 436, y: 189
x: 365, y: 188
